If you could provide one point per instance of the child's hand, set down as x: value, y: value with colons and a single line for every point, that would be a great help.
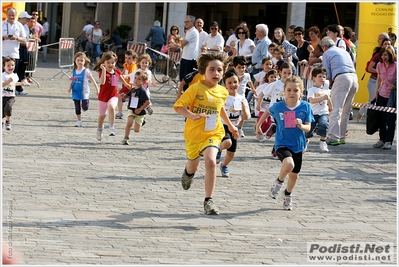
x: 102, y: 66
x: 258, y: 129
x: 234, y: 131
x: 153, y: 84
x: 199, y: 116
x: 69, y: 90
x: 298, y: 122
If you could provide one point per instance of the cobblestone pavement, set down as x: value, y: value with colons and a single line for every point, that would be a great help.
x: 69, y: 199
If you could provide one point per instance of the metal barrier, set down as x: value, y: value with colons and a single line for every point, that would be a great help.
x: 65, y: 55
x: 139, y: 48
x: 33, y: 48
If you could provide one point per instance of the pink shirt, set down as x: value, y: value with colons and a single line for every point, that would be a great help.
x: 388, y: 77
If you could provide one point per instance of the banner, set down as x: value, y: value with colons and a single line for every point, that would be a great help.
x: 374, y: 18
x: 19, y: 6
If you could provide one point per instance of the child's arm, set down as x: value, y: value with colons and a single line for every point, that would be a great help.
x: 70, y: 87
x: 303, y: 126
x: 251, y: 86
x: 95, y: 84
x: 103, y: 74
x: 314, y: 100
x: 140, y: 109
x: 264, y: 116
x: 188, y: 114
x: 259, y: 100
x: 256, y: 84
x: 180, y: 89
x: 124, y: 81
x: 6, y: 82
x: 245, y: 114
x: 232, y: 128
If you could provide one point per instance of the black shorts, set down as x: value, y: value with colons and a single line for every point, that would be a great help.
x: 229, y: 135
x: 284, y: 152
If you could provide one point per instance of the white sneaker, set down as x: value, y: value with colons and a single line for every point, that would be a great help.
x: 261, y: 138
x: 78, y: 124
x: 287, y: 202
x: 275, y: 189
x: 119, y: 115
x: 387, y: 146
x: 21, y: 93
x: 112, y: 132
x: 323, y: 146
x: 26, y: 83
x: 99, y: 134
x: 306, y: 147
x: 241, y: 133
x: 8, y: 126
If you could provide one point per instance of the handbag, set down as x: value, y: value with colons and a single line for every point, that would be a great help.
x: 164, y: 49
x: 372, y: 121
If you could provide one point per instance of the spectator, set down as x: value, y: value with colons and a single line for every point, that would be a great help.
x: 157, y: 36
x: 291, y: 36
x: 314, y: 36
x: 87, y: 27
x: 231, y: 41
x: 304, y: 47
x: 279, y: 39
x: 316, y: 57
x: 392, y: 37
x: 94, y: 36
x: 354, y: 39
x: 244, y: 45
x: 117, y: 40
x: 334, y: 32
x: 342, y: 75
x: 35, y: 26
x: 13, y: 34
x: 23, y: 18
x: 214, y: 41
x: 261, y: 50
x: 174, y: 39
x: 44, y: 37
x: 199, y: 25
x: 190, y: 45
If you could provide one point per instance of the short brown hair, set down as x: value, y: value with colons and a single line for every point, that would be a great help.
x: 204, y: 59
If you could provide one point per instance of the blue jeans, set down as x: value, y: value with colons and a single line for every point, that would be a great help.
x: 96, y: 49
x: 322, y: 126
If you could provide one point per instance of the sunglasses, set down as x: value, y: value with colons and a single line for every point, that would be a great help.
x: 174, y: 29
x: 35, y: 14
x: 297, y: 33
x: 241, y: 32
x: 213, y: 29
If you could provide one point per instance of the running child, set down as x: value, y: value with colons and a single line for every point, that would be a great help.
x: 237, y: 109
x: 129, y: 67
x: 138, y: 101
x: 203, y: 130
x: 79, y: 85
x: 9, y: 81
x: 319, y: 98
x: 108, y: 95
x: 144, y: 62
x: 293, y: 117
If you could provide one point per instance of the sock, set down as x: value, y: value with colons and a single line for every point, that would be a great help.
x: 188, y: 174
x: 100, y: 129
x: 112, y: 126
x: 278, y: 180
x: 238, y: 127
x: 287, y: 193
x: 207, y: 198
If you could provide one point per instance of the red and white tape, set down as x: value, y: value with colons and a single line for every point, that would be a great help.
x: 379, y: 108
x: 66, y: 44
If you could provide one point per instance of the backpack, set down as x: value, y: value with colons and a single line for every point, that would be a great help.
x: 348, y: 49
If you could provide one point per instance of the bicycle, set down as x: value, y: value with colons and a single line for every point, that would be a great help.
x: 160, y: 69
x: 78, y: 46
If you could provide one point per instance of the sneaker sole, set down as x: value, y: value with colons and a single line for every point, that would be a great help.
x: 211, y: 212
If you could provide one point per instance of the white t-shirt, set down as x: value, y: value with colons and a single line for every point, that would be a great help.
x: 9, y: 89
x: 233, y: 107
x: 97, y: 35
x: 276, y: 92
x: 11, y: 47
x: 202, y: 35
x: 87, y: 27
x: 214, y: 41
x: 243, y: 84
x: 191, y: 49
x: 263, y: 88
x: 231, y: 38
x: 259, y: 77
x: 46, y: 28
x: 321, y: 107
x: 245, y: 49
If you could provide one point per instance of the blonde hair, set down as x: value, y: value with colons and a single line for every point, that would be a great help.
x: 106, y: 56
x: 144, y: 56
x: 294, y: 79
x: 86, y: 59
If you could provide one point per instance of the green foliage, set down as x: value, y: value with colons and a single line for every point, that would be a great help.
x: 124, y: 30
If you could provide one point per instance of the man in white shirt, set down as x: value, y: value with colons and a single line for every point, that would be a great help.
x: 190, y: 44
x: 87, y: 27
x: 23, y: 17
x: 13, y: 34
x: 46, y: 29
x: 199, y: 24
x: 214, y: 41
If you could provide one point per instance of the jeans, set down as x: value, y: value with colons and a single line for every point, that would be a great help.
x: 387, y: 121
x: 371, y: 87
x: 96, y: 49
x: 322, y: 126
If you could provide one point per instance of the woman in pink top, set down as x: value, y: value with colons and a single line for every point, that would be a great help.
x: 386, y: 83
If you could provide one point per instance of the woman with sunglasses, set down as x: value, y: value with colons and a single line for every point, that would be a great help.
x: 303, y: 49
x: 174, y: 39
x: 243, y: 46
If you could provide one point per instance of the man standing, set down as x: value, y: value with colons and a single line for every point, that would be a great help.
x: 46, y: 29
x: 23, y: 18
x: 261, y: 50
x: 342, y: 76
x: 213, y: 41
x: 199, y: 25
x: 35, y: 26
x: 190, y: 45
x: 291, y: 36
x: 13, y: 34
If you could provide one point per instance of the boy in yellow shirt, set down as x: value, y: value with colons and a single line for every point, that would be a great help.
x: 129, y: 67
x: 203, y: 129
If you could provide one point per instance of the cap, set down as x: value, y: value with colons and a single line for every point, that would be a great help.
x: 214, y: 23
x: 24, y: 14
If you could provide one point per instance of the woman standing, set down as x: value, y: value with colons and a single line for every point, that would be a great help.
x: 303, y: 49
x: 314, y: 36
x: 94, y: 37
x: 244, y: 46
x: 174, y: 39
x: 371, y: 85
x: 386, y: 83
x: 280, y: 39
